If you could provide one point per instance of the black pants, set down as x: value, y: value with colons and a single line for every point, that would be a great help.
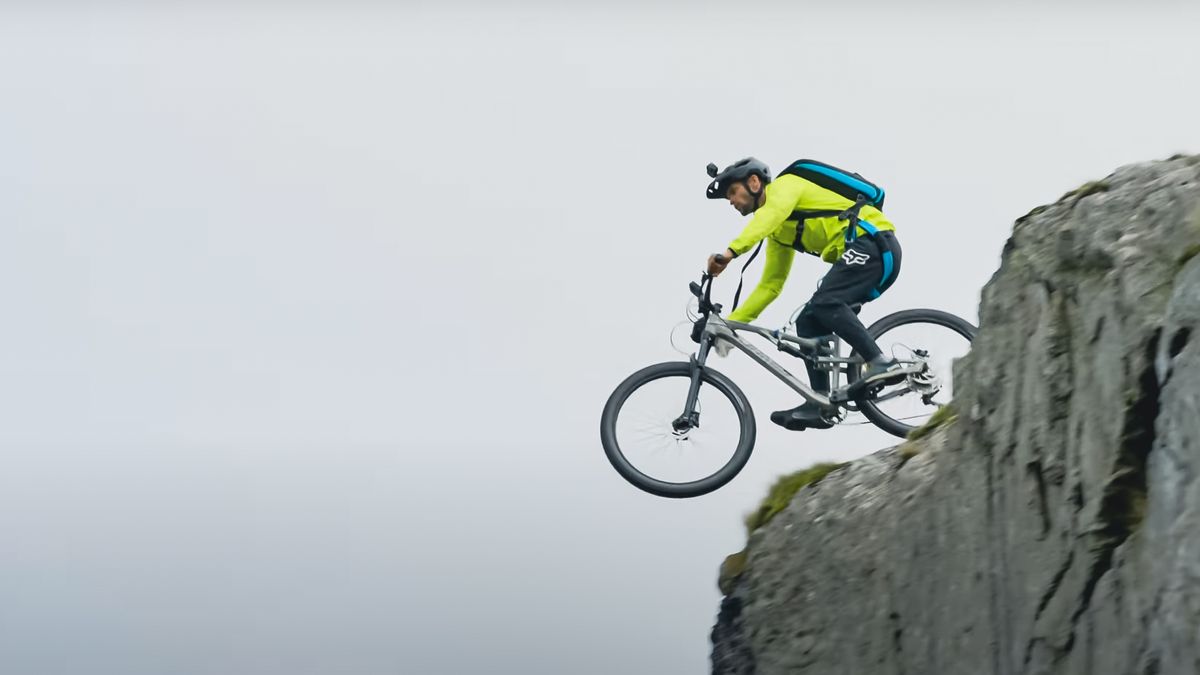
x: 869, y: 266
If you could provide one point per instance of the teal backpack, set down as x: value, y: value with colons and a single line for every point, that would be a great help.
x: 848, y: 184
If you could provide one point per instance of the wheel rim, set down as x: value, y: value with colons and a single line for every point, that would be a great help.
x: 911, y: 403
x: 653, y: 441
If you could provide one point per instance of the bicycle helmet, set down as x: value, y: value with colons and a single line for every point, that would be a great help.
x: 736, y: 173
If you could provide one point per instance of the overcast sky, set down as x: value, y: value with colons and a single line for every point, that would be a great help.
x: 310, y: 313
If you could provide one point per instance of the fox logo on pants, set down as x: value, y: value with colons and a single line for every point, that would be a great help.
x: 855, y: 258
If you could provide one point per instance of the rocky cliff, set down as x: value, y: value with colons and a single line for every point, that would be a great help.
x: 1053, y: 526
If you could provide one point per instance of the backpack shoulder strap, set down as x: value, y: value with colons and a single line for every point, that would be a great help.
x: 741, y: 276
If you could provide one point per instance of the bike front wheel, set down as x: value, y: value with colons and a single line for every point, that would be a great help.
x: 648, y: 441
x: 928, y: 337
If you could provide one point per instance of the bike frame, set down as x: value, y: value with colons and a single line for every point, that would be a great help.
x: 717, y: 328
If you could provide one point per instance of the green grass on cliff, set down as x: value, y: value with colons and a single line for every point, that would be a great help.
x: 943, y: 416
x: 777, y: 499
x: 731, y: 569
x: 1089, y: 188
x: 781, y: 493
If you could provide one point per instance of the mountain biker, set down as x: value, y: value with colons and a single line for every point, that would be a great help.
x: 859, y: 274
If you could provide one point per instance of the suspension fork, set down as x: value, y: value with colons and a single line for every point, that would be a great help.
x: 691, y: 417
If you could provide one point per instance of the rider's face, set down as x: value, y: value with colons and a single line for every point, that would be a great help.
x: 741, y: 198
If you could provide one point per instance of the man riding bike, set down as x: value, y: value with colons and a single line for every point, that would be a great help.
x: 866, y: 261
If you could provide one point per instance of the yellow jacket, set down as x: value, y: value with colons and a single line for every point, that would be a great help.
x: 824, y: 237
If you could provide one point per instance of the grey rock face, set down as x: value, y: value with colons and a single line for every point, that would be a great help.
x: 1055, y: 526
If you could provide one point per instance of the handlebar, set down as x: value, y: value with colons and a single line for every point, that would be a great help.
x: 703, y: 291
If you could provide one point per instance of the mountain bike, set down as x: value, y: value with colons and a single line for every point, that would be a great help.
x: 683, y: 429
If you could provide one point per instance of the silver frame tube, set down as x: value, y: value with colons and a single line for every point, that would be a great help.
x: 717, y: 328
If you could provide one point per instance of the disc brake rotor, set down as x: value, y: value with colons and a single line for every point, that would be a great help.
x: 924, y: 382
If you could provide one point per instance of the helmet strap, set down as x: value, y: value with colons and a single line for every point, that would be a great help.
x: 755, y: 195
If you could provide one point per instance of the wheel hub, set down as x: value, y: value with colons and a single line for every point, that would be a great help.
x: 681, y: 426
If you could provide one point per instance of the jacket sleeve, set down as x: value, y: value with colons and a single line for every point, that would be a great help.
x: 775, y: 272
x: 782, y: 197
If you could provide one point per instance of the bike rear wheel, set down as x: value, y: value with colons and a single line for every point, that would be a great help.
x: 943, y: 338
x: 651, y: 446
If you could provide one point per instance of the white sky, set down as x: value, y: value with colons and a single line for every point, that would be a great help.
x: 310, y: 313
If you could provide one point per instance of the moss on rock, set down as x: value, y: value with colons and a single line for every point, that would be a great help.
x: 1089, y: 188
x: 943, y: 416
x: 781, y: 493
x: 732, y: 568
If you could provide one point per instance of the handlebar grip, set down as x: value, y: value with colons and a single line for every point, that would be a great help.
x: 719, y: 258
